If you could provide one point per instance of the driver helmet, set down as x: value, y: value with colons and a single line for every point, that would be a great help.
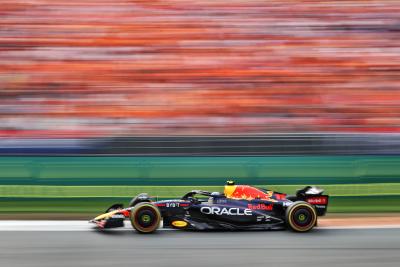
x: 229, y: 188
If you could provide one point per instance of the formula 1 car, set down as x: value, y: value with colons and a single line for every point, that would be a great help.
x: 240, y: 207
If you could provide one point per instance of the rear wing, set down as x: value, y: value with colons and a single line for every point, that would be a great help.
x: 320, y: 203
x: 315, y: 197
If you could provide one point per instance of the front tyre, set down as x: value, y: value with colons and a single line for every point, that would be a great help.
x: 301, y: 217
x: 145, y: 217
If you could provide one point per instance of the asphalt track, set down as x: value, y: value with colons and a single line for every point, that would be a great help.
x: 80, y: 245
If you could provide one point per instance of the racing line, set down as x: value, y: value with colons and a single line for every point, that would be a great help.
x: 76, y: 243
x: 43, y: 225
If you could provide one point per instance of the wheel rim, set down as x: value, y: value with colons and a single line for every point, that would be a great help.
x: 146, y: 217
x: 302, y: 218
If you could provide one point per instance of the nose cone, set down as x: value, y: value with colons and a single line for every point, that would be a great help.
x: 104, y: 216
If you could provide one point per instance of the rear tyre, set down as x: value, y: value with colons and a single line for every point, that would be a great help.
x: 145, y: 217
x: 301, y: 217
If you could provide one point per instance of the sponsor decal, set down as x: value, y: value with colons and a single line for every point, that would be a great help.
x: 265, y: 218
x: 260, y: 206
x: 225, y: 211
x: 118, y: 216
x: 317, y: 200
x: 172, y: 204
x: 247, y: 192
x: 179, y: 224
x: 280, y: 196
x: 126, y: 213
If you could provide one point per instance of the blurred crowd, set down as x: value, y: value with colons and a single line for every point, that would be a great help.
x: 98, y: 68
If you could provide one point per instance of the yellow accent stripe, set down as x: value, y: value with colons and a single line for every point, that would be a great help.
x: 106, y: 215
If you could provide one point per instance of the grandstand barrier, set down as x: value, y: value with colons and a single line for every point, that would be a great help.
x: 173, y: 171
x: 88, y: 184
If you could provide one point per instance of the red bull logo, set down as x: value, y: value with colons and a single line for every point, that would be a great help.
x: 246, y: 192
x: 260, y: 207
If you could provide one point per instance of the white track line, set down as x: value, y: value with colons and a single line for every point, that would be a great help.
x: 386, y: 226
x: 38, y: 225
x: 12, y: 225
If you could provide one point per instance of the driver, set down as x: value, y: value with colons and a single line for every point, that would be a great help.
x: 212, y: 197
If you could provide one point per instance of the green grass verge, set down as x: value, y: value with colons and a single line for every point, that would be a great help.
x: 364, y: 204
x: 172, y: 171
x: 98, y: 205
x: 40, y: 191
x: 382, y: 197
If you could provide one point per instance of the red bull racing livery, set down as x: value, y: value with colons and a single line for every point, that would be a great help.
x: 238, y: 207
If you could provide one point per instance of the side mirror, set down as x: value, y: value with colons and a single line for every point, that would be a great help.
x: 193, y: 200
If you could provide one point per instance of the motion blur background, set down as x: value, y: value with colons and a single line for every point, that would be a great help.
x: 101, y: 99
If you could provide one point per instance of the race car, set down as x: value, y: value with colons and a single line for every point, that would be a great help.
x: 239, y: 207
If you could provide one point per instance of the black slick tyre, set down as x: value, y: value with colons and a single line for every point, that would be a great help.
x: 301, y: 217
x: 145, y: 217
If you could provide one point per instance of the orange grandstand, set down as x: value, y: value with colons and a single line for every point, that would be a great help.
x: 69, y: 69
